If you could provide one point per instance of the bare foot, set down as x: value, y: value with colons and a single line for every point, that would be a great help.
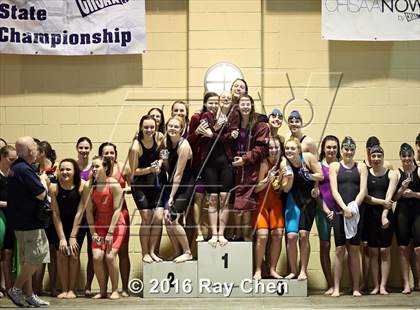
x: 357, y: 294
x: 199, y: 238
x: 170, y: 258
x: 155, y: 258
x: 257, y: 275
x: 114, y: 295
x: 125, y: 294
x: 223, y: 241
x: 383, y: 291
x: 62, y: 295
x: 302, y: 276
x: 147, y: 259
x: 335, y: 293
x: 183, y: 258
x: 70, y: 295
x: 88, y: 292
x: 213, y: 241
x: 385, y: 222
x: 99, y: 296
x: 329, y: 291
x: 291, y: 276
x: 275, y: 275
x: 406, y: 291
x: 374, y: 291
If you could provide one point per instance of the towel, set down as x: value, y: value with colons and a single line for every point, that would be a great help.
x: 350, y: 225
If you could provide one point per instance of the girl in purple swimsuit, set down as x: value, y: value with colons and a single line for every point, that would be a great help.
x: 83, y: 147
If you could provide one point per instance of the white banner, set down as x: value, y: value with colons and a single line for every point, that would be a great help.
x: 72, y: 27
x: 382, y: 20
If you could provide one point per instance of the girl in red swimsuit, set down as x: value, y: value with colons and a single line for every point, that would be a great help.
x: 120, y: 172
x: 107, y: 226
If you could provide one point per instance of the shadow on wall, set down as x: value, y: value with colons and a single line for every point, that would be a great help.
x: 68, y: 74
x: 153, y: 6
x: 374, y: 60
x: 275, y: 6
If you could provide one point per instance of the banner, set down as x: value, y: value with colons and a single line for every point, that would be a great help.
x: 72, y: 27
x: 382, y: 20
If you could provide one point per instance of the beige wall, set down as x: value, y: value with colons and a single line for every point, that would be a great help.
x: 61, y: 98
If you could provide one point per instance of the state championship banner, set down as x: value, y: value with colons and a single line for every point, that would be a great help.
x: 72, y: 27
x: 382, y: 20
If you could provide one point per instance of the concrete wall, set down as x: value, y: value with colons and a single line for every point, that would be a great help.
x: 278, y: 46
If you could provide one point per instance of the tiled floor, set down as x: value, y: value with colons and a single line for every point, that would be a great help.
x: 315, y: 300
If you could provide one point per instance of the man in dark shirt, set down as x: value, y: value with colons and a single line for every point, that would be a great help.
x: 26, y: 192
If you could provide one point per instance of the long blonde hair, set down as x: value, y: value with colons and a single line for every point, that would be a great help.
x: 296, y: 141
x: 182, y: 123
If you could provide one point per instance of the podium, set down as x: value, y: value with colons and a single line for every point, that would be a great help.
x: 221, y: 270
x: 169, y: 279
x: 278, y: 288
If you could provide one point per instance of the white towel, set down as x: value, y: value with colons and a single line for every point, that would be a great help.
x: 350, y: 225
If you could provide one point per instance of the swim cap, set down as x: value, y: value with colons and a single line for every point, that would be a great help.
x: 372, y: 141
x: 276, y: 112
x: 294, y: 114
x: 376, y: 149
x: 348, y: 142
x: 406, y: 149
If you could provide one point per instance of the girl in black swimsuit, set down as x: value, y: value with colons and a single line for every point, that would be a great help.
x: 407, y: 212
x: 65, y: 198
x: 148, y: 181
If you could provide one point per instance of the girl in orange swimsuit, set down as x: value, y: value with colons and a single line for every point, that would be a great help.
x: 269, y: 218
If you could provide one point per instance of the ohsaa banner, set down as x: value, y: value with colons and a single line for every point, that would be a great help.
x: 72, y: 27
x: 386, y: 20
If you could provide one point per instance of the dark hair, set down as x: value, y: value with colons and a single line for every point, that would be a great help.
x: 372, y: 141
x: 207, y: 96
x: 45, y: 146
x: 376, y: 149
x: 5, y: 150
x: 4, y: 141
x: 144, y: 118
x: 246, y: 85
x: 406, y: 148
x: 106, y: 164
x: 186, y: 109
x: 81, y: 139
x: 418, y: 139
x: 76, y: 176
x: 277, y: 138
x: 348, y: 142
x: 324, y: 141
x: 252, y: 116
x: 101, y: 148
x: 162, y: 119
